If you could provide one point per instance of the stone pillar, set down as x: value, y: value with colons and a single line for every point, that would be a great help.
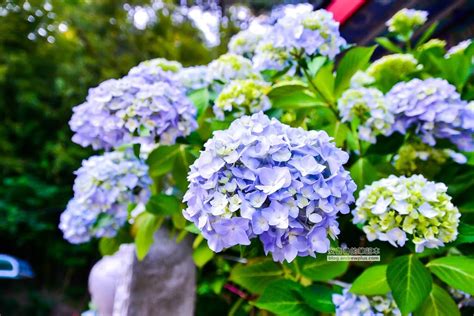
x: 164, y: 283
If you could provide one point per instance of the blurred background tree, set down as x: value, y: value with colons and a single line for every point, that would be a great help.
x: 51, y: 52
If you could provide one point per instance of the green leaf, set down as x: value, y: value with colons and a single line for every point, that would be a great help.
x: 363, y: 173
x: 147, y: 224
x: 256, y: 275
x: 183, y: 160
x: 136, y: 150
x: 315, y: 64
x: 388, y: 45
x: 386, y: 145
x: 319, y: 269
x: 162, y: 204
x: 200, y: 98
x: 355, y: 59
x: 438, y: 303
x: 293, y: 95
x: 108, y: 246
x: 456, y: 271
x: 455, y: 69
x: 282, y: 297
x: 372, y: 281
x: 161, y: 160
x: 339, y: 131
x: 465, y: 235
x: 202, y: 255
x: 409, y: 281
x: 319, y: 297
x: 324, y: 82
x: 427, y: 34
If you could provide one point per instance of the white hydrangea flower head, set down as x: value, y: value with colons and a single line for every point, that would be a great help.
x: 245, y: 42
x: 230, y: 67
x: 369, y: 106
x: 242, y: 97
x: 361, y: 79
x: 397, y: 208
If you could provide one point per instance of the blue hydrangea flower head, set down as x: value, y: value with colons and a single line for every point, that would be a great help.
x: 261, y: 178
x: 395, y: 209
x: 351, y: 304
x: 242, y: 97
x: 132, y: 110
x: 158, y: 69
x: 104, y: 188
x: 432, y: 109
x: 310, y: 32
x: 370, y: 107
x: 194, y: 78
x: 270, y: 57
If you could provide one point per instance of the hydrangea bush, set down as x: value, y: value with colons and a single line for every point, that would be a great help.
x: 261, y: 153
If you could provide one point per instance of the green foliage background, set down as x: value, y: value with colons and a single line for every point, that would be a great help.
x: 39, y: 84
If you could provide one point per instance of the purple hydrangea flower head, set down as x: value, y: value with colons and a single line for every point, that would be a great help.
x: 351, y: 304
x: 158, y: 69
x: 104, y: 188
x: 370, y: 107
x: 261, y: 178
x: 311, y: 32
x: 433, y: 110
x: 132, y: 110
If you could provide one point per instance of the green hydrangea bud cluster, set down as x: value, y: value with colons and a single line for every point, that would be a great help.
x: 242, y: 97
x: 398, y: 64
x: 418, y: 157
x: 432, y: 44
x: 405, y: 22
x: 393, y: 207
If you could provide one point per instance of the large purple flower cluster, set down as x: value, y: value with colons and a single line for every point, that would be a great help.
x: 263, y: 178
x: 133, y: 109
x: 433, y: 110
x: 104, y: 188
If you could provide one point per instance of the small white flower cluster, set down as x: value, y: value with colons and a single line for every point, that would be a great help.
x: 242, y: 97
